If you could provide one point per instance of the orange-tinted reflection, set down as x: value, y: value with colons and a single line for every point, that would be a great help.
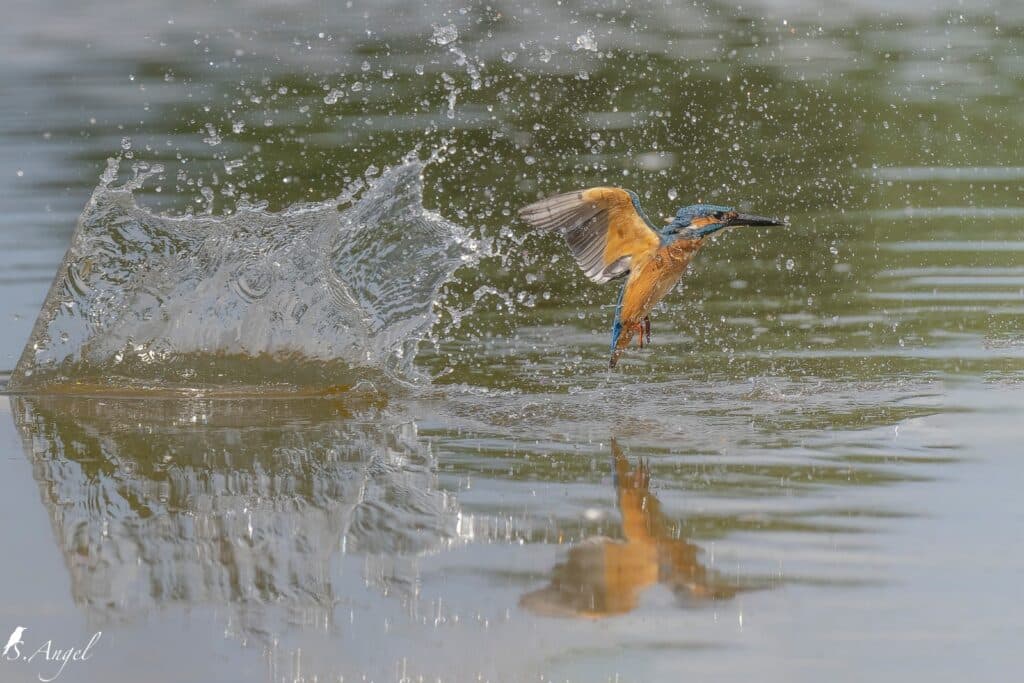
x: 604, y: 576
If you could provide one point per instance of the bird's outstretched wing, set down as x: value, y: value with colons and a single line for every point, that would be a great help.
x: 604, y: 226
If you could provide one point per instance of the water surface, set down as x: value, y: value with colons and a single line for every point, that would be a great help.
x: 810, y: 475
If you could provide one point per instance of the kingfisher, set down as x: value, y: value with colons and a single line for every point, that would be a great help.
x: 611, y: 237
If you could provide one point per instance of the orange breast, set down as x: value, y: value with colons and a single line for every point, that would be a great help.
x: 651, y: 280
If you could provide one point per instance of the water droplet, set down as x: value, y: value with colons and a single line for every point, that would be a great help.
x: 212, y: 136
x: 586, y: 41
x: 444, y: 35
x: 672, y: 194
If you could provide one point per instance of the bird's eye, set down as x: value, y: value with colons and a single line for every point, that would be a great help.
x: 717, y: 214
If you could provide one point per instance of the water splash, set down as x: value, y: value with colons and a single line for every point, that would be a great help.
x: 307, y: 297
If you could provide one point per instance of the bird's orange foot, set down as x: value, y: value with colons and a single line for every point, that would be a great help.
x: 642, y: 330
x: 638, y: 330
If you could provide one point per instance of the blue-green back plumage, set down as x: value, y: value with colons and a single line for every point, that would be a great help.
x: 640, y: 212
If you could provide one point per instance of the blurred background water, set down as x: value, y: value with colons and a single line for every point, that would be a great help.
x: 810, y: 475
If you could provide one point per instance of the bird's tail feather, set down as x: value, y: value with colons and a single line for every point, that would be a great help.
x: 617, y: 331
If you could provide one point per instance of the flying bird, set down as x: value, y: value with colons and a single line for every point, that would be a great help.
x: 610, y: 237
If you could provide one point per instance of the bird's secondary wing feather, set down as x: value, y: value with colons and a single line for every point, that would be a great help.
x: 602, y: 226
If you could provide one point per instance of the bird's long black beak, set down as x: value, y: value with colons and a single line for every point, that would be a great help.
x: 750, y: 219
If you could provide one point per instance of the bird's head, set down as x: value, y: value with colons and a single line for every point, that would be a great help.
x: 700, y: 220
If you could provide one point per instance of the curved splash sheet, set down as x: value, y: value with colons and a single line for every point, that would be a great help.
x: 311, y: 297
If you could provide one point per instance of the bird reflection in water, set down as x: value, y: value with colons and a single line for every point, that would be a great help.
x: 604, y: 577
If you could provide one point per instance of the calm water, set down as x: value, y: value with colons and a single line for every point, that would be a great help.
x: 810, y: 476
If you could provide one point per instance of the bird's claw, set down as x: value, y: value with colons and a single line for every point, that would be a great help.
x: 638, y: 330
x: 643, y: 331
